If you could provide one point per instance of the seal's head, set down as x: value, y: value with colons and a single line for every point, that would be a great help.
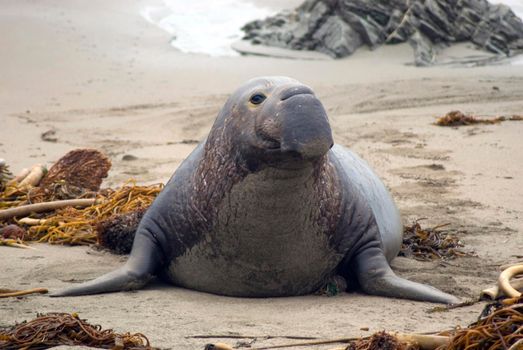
x: 276, y: 122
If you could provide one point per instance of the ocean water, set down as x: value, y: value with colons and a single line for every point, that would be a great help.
x: 211, y: 26
x: 205, y: 26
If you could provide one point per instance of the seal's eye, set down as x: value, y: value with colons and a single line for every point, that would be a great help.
x: 258, y: 98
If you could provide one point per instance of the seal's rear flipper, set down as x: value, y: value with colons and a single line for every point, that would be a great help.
x: 136, y: 273
x: 376, y: 277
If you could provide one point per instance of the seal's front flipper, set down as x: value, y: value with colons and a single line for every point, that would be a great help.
x: 136, y: 273
x: 117, y: 280
x: 376, y: 277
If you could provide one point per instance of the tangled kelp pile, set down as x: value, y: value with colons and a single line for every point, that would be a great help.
x: 5, y: 174
x: 83, y: 168
x: 78, y: 226
x: 381, y: 341
x: 65, y: 205
x: 54, y: 329
x: 426, y: 244
x: 458, y: 118
x: 500, y: 326
x: 117, y: 231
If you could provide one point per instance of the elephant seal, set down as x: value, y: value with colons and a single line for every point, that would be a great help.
x: 268, y: 206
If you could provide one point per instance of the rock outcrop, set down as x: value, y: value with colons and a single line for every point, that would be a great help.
x: 340, y: 27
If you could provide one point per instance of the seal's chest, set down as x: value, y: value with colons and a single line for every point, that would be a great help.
x: 266, y: 240
x: 277, y: 221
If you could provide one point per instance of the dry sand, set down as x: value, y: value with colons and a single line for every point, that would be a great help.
x: 100, y: 76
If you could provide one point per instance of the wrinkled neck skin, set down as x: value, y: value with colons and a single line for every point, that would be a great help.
x: 261, y: 187
x: 226, y: 167
x: 261, y: 228
x: 270, y: 193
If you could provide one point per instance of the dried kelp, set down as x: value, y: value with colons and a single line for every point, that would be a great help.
x: 380, y: 341
x: 116, y: 233
x: 500, y: 326
x: 16, y: 243
x: 458, y: 118
x: 5, y: 174
x: 12, y: 236
x: 60, y: 190
x: 13, y: 196
x: 431, y: 243
x: 54, y: 329
x: 76, y: 176
x: 85, y: 168
x: 12, y: 232
x: 78, y: 226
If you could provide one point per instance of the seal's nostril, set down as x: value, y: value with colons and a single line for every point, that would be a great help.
x: 299, y: 90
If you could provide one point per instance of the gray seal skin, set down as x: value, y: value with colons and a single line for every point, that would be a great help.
x: 267, y: 206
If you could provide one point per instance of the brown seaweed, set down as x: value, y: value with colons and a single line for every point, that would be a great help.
x: 426, y: 244
x: 83, y: 168
x: 500, y: 326
x: 116, y: 233
x: 55, y: 329
x: 458, y: 118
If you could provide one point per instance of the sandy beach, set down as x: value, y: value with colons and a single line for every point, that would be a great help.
x: 102, y: 77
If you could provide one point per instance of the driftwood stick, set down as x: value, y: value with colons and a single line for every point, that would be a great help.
x: 16, y: 293
x: 314, y: 342
x: 424, y: 341
x: 242, y: 336
x: 45, y: 206
x: 222, y: 346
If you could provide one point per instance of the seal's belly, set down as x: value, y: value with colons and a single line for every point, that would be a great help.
x: 266, y: 241
x: 232, y: 264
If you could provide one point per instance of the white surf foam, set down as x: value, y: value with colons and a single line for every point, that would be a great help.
x: 205, y: 26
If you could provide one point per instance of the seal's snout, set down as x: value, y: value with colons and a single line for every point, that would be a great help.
x: 290, y: 124
x: 305, y: 128
x: 298, y: 90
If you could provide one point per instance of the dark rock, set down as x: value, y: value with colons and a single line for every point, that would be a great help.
x: 339, y: 27
x: 49, y: 136
x: 394, y: 21
x: 369, y: 30
x: 129, y: 157
x: 424, y: 54
x: 337, y: 37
